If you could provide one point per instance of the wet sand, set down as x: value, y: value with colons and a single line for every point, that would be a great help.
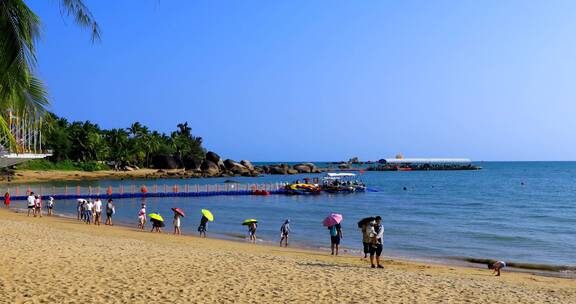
x: 58, y: 260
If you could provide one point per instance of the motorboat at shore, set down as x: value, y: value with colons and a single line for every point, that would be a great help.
x: 342, y: 183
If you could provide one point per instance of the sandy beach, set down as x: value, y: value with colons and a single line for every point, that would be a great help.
x: 33, y: 176
x: 58, y: 260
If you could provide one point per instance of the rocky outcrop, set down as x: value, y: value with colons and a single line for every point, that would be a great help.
x: 306, y: 168
x: 213, y: 157
x: 235, y: 167
x: 247, y: 164
x: 191, y: 163
x: 210, y: 168
x: 165, y: 162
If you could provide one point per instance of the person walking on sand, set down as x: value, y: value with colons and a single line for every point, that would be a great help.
x: 142, y: 217
x: 110, y: 210
x: 284, y: 231
x: 7, y: 200
x: 156, y: 225
x: 496, y: 267
x: 97, y: 212
x: 80, y: 208
x: 50, y: 206
x: 176, y: 223
x: 335, y: 236
x: 202, y: 227
x: 366, y: 238
x: 376, y: 244
x: 31, y: 204
x: 88, y: 212
x: 252, y: 231
x: 38, y: 204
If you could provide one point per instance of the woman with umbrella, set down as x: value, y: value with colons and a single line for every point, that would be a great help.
x: 157, y: 222
x: 366, y: 225
x: 333, y: 224
x: 177, y: 214
x: 252, y: 225
x: 206, y: 216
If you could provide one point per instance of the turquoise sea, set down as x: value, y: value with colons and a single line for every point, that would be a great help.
x: 520, y: 212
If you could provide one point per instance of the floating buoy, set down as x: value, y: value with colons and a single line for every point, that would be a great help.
x: 109, y: 190
x: 143, y: 189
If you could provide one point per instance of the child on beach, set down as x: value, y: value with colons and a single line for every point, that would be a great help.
x: 50, y: 206
x: 38, y: 204
x: 142, y: 217
x: 110, y: 210
x: 284, y: 231
x: 252, y: 231
x: 496, y: 267
x: 176, y: 223
x: 88, y: 206
x: 202, y: 227
x: 366, y: 228
x: 335, y: 236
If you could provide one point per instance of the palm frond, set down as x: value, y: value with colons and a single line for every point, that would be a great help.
x: 82, y: 16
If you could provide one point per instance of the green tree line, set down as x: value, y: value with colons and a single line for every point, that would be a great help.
x: 86, y: 142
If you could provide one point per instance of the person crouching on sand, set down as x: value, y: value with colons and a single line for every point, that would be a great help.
x: 142, y: 217
x: 176, y: 223
x: 496, y: 267
x: 202, y: 227
x: 284, y: 231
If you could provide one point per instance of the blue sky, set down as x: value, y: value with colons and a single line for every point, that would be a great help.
x: 326, y: 80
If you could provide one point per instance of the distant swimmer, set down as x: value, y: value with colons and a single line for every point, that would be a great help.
x: 522, y: 183
x: 404, y: 188
x: 496, y: 267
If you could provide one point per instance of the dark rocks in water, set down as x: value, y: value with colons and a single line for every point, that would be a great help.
x: 213, y: 157
x: 165, y: 162
x: 235, y: 167
x: 306, y: 168
x: 210, y: 168
x: 247, y: 164
x: 278, y: 170
x: 230, y: 181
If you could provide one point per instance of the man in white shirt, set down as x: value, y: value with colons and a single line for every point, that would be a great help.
x: 376, y: 235
x: 88, y: 211
x: 31, y: 203
x: 97, y: 211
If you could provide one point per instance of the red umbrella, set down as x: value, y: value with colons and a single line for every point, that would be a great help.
x: 179, y: 211
x: 332, y: 219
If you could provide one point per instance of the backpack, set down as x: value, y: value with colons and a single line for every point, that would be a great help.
x: 333, y: 231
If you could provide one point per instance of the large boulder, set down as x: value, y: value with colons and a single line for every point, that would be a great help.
x: 209, y: 168
x: 191, y: 163
x: 306, y: 168
x: 165, y: 162
x: 213, y: 157
x: 235, y: 167
x: 278, y: 170
x: 247, y: 164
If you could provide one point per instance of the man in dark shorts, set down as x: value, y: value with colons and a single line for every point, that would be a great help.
x: 335, y: 237
x: 377, y: 235
x: 202, y: 227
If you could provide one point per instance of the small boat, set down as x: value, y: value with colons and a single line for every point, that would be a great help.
x: 342, y: 183
x: 301, y: 188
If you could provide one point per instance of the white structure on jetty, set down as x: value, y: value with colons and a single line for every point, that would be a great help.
x: 23, y: 142
x: 429, y: 161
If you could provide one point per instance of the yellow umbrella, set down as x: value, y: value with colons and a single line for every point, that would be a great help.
x: 156, y: 216
x: 208, y: 214
x: 249, y: 221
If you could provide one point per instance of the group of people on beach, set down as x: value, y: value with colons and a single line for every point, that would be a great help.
x: 35, y: 205
x: 90, y: 211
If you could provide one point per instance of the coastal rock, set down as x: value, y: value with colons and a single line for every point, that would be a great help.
x: 278, y: 170
x: 247, y: 164
x: 210, y: 168
x: 235, y: 167
x: 292, y: 171
x: 301, y: 168
x: 213, y: 157
x: 191, y: 163
x: 165, y: 162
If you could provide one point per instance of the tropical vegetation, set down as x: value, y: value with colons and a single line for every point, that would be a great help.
x: 84, y: 145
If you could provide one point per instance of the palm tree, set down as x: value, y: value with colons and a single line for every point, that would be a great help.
x: 20, y: 89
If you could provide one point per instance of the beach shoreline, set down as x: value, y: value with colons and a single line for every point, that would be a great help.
x: 38, y: 176
x: 67, y: 249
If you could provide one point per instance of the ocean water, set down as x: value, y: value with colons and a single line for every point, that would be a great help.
x: 524, y: 212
